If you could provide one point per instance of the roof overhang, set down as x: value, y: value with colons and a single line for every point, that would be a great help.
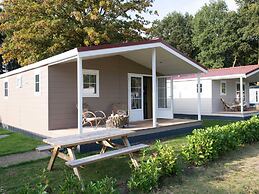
x: 169, y: 60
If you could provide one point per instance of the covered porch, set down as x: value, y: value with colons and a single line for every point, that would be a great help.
x: 163, y: 61
x: 239, y: 88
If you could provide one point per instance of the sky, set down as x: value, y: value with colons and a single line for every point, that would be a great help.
x: 191, y: 6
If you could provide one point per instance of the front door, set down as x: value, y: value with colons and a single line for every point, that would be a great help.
x: 135, y: 97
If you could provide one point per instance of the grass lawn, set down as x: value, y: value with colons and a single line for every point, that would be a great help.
x: 235, y: 173
x: 16, y: 142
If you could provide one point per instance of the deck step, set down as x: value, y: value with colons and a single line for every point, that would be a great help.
x: 106, y: 155
x: 43, y: 148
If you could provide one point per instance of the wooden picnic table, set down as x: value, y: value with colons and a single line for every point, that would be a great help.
x: 103, y: 137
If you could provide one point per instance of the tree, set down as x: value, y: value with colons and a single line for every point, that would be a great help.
x: 1, y: 58
x: 38, y: 29
x: 248, y: 14
x: 210, y: 34
x: 176, y: 29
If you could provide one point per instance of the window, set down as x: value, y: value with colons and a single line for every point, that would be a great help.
x: 6, y: 89
x: 198, y: 87
x: 91, y: 83
x: 223, y: 88
x: 238, y: 92
x: 37, y: 83
x: 164, y: 93
x: 19, y: 81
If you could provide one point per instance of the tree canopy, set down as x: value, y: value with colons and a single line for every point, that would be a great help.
x: 38, y: 29
x: 215, y: 36
x: 176, y: 29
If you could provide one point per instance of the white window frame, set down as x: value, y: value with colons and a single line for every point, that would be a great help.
x: 96, y: 73
x: 19, y: 81
x: 6, y: 81
x: 221, y: 93
x: 37, y: 93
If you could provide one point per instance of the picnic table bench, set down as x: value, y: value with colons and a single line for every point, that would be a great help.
x: 103, y: 137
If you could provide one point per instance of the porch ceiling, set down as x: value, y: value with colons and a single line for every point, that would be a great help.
x: 253, y: 78
x: 167, y: 63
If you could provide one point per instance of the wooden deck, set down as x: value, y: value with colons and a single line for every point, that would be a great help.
x: 247, y: 113
x: 141, y: 127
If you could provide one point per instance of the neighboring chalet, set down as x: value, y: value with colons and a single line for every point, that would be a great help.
x: 43, y: 97
x: 221, y: 92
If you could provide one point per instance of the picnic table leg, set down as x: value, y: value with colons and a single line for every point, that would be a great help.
x: 133, y: 160
x: 103, y: 150
x: 53, y: 157
x: 72, y: 156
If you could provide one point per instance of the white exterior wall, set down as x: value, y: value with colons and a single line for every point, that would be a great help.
x: 185, y: 97
x: 22, y: 108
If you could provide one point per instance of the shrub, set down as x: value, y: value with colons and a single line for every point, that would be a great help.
x: 145, y: 177
x: 166, y: 158
x: 71, y: 185
x: 205, y: 145
x: 104, y: 186
x: 158, y: 161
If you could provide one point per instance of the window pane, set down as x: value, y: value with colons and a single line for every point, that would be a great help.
x: 135, y: 82
x: 6, y: 92
x: 37, y: 87
x: 86, y: 85
x: 37, y: 78
x: 136, y: 104
x: 92, y: 78
x: 135, y: 92
x: 93, y: 88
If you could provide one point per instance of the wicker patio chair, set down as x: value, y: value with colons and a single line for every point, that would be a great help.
x: 228, y: 107
x: 92, y: 118
x: 119, y: 117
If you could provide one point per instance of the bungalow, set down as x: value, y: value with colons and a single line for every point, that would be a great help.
x: 221, y: 91
x: 45, y: 95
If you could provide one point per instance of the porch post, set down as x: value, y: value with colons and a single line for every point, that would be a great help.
x: 199, y: 95
x: 241, y: 96
x: 79, y: 94
x: 172, y: 97
x: 154, y: 89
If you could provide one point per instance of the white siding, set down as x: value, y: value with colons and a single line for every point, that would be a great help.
x: 185, y: 97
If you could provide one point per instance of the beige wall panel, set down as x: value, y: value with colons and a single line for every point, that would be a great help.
x: 23, y: 109
x: 113, y: 73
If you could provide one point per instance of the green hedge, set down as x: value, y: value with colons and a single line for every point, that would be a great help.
x: 205, y: 145
x: 158, y: 161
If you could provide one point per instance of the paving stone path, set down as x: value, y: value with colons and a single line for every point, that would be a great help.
x: 3, y: 136
x: 15, y: 159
